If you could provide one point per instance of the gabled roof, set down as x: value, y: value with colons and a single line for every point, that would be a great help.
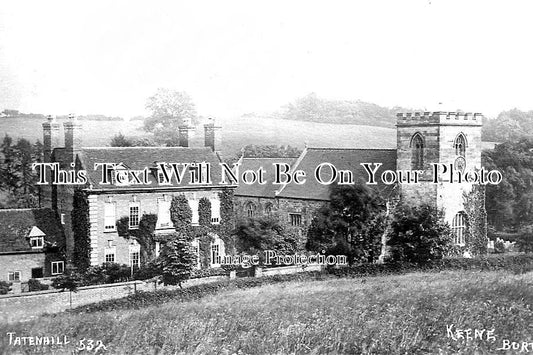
x: 16, y: 225
x: 342, y: 159
x: 257, y: 190
x: 138, y: 158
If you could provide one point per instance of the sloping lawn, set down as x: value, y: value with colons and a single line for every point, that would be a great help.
x: 416, y: 313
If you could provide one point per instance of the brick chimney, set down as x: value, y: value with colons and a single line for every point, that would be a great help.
x: 185, y: 132
x: 72, y: 137
x: 50, y: 137
x: 212, y: 136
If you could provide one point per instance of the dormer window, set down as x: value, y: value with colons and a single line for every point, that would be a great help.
x: 36, y: 238
x: 37, y: 242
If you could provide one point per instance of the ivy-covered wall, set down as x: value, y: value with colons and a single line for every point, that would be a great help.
x: 80, y: 229
x: 476, y: 220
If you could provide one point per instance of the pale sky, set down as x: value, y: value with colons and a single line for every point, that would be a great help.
x: 234, y: 57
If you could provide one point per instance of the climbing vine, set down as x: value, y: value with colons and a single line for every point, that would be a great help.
x: 476, y: 220
x: 80, y: 229
x: 144, y: 234
x: 181, y: 215
x: 204, y: 212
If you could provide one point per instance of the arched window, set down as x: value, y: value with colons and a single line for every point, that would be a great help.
x: 417, y: 146
x: 460, y: 145
x: 268, y: 209
x: 459, y: 228
x: 250, y: 210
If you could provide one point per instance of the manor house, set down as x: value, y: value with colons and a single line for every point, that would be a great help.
x: 114, y: 200
x: 450, y: 139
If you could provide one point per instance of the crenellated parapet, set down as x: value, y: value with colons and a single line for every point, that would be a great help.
x: 439, y: 118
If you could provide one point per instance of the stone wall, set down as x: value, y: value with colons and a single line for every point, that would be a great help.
x: 27, y: 306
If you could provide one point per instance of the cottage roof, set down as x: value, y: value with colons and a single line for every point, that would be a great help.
x: 18, y: 225
x: 138, y: 158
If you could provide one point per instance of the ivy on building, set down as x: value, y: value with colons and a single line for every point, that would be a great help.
x: 476, y: 220
x: 204, y: 212
x: 80, y: 230
x: 144, y: 234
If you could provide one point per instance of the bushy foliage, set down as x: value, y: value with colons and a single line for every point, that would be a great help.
x: 4, y: 287
x: 106, y: 273
x: 70, y: 280
x: 509, y: 203
x: 476, y: 220
x: 144, y: 234
x: 36, y: 285
x: 176, y: 261
x: 255, y: 235
x: 418, y: 233
x: 121, y: 140
x: 17, y: 178
x: 270, y: 151
x: 353, y: 222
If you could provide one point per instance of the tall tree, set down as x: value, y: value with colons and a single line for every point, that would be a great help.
x: 169, y: 109
x: 352, y: 223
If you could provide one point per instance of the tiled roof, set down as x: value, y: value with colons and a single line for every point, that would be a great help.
x: 138, y: 158
x: 342, y: 159
x: 257, y: 190
x: 16, y: 225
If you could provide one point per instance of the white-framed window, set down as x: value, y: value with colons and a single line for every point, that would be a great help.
x: 109, y: 217
x: 459, y: 228
x: 215, y: 211
x: 163, y: 213
x: 37, y: 242
x: 58, y: 267
x: 14, y: 276
x: 196, y: 250
x: 135, y: 208
x: 110, y: 254
x: 193, y: 204
x: 295, y: 219
x: 217, y: 251
x: 135, y: 254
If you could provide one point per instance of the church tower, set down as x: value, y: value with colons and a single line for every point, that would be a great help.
x: 450, y: 139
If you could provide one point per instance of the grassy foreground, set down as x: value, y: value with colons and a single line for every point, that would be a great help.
x: 406, y: 314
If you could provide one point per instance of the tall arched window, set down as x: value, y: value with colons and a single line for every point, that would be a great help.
x: 417, y: 146
x: 268, y: 209
x: 250, y: 210
x: 459, y: 228
x: 460, y: 145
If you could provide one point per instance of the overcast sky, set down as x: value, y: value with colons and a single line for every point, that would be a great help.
x: 235, y: 57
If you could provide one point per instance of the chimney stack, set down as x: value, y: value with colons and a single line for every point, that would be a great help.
x: 185, y: 131
x: 50, y: 137
x: 212, y: 136
x: 72, y: 137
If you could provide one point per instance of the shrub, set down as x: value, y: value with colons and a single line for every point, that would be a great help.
x: 5, y: 287
x: 69, y: 280
x: 499, y: 247
x: 418, y: 233
x: 36, y: 285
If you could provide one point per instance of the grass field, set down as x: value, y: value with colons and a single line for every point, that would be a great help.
x: 235, y: 133
x: 407, y: 314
